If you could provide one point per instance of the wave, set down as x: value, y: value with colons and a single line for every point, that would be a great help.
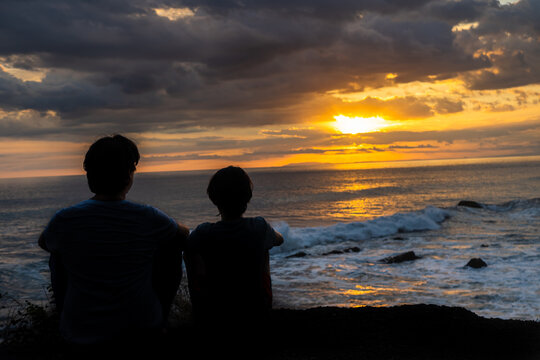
x: 519, y: 205
x: 429, y: 218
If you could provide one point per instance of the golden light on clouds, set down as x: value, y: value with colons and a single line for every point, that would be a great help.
x: 358, y: 125
x: 174, y: 14
x: 23, y: 74
x: 465, y: 26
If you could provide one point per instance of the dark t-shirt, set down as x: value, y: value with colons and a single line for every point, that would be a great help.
x: 236, y: 275
x: 107, y: 250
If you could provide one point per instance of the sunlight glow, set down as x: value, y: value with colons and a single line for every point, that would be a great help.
x: 357, y: 125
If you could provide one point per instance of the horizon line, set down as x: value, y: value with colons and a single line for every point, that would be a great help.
x: 364, y: 165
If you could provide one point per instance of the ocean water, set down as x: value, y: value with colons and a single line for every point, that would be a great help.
x: 338, y: 226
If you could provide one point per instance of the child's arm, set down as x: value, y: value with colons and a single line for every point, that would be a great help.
x: 195, y: 274
x: 279, y: 239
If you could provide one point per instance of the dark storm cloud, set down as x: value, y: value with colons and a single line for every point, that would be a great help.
x: 117, y: 64
x: 460, y: 11
x: 330, y: 10
x: 510, y: 36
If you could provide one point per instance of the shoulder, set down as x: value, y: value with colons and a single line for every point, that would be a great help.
x: 199, y: 234
x: 148, y: 211
x: 151, y: 210
x: 62, y: 221
x: 266, y: 232
x: 257, y: 223
x: 70, y: 211
x: 202, y: 229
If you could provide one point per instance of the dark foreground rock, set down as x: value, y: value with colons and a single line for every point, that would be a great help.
x: 406, y: 256
x: 347, y: 250
x: 400, y: 332
x: 476, y: 263
x: 298, y: 254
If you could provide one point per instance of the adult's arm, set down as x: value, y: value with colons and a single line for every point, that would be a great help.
x: 42, y: 244
x: 58, y: 280
x: 182, y: 235
x: 58, y: 274
x: 167, y: 272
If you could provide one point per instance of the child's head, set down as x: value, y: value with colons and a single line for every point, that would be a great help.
x: 230, y: 189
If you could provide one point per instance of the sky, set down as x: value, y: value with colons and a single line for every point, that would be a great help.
x: 206, y: 84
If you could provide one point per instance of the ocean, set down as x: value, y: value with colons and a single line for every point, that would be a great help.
x: 338, y: 226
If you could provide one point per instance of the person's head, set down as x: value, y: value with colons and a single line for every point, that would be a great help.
x: 230, y: 189
x: 110, y: 163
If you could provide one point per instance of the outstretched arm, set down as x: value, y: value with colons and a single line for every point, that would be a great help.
x: 279, y: 239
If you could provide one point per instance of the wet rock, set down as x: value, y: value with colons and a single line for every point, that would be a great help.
x: 484, y: 245
x: 348, y: 250
x: 470, y: 203
x: 298, y: 254
x: 333, y: 252
x: 476, y: 263
x: 407, y: 256
x: 398, y: 238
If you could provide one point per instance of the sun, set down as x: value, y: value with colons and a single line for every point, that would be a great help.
x: 358, y: 125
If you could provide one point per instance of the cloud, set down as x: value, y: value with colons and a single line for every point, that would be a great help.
x: 509, y: 36
x: 109, y: 59
x: 446, y: 106
x: 408, y: 147
x: 263, y: 69
x: 521, y: 137
x: 521, y: 129
x: 392, y: 109
x: 401, y: 108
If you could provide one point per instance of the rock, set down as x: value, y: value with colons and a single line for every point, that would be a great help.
x: 484, y: 245
x: 398, y: 238
x: 347, y: 250
x: 333, y: 252
x: 298, y: 254
x: 470, y: 203
x: 476, y: 263
x: 407, y: 256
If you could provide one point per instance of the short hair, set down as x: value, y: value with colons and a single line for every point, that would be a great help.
x: 230, y: 189
x: 109, y: 163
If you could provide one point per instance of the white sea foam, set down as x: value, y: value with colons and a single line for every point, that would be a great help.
x: 429, y: 218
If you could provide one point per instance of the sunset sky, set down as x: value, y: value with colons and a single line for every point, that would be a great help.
x: 204, y: 84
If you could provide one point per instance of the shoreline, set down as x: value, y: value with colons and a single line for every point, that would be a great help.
x: 398, y: 332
